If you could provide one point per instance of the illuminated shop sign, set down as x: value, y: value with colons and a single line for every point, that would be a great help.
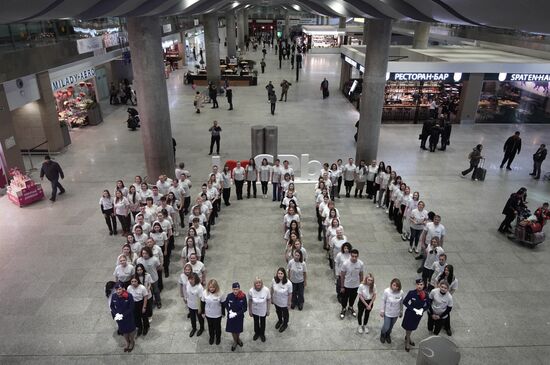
x: 73, y: 78
x: 423, y: 76
x: 350, y: 61
x: 526, y: 77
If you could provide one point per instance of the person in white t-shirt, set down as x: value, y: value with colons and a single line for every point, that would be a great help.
x: 351, y: 276
x: 139, y: 294
x: 124, y: 271
x: 361, y: 172
x: 367, y: 296
x: 409, y: 201
x: 189, y: 249
x: 238, y: 177
x: 392, y: 307
x: 438, y: 266
x: 144, y: 193
x: 433, y: 229
x: 181, y: 170
x: 122, y: 209
x: 198, y: 267
x: 441, y: 304
x: 106, y: 203
x: 335, y: 245
x: 281, y: 295
x: 297, y: 273
x: 287, y: 170
x: 265, y: 173
x: 348, y: 171
x: 142, y: 222
x: 433, y: 251
x: 417, y: 220
x: 163, y: 184
x: 193, y: 293
x: 276, y: 176
x: 151, y: 265
x: 213, y: 310
x: 259, y: 302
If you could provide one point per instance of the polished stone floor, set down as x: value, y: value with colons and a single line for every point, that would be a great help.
x: 57, y: 257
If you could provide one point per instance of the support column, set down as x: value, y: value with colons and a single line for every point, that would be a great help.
x: 421, y: 35
x: 231, y: 37
x: 212, y: 45
x: 245, y: 20
x: 240, y: 30
x: 286, y: 33
x: 48, y: 113
x: 345, y: 73
x: 374, y: 82
x: 148, y: 68
x: 12, y: 152
x: 469, y: 98
x: 342, y: 27
x: 365, y: 30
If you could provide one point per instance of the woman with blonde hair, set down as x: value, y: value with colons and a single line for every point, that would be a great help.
x: 213, y: 310
x: 259, y: 301
x: 367, y: 295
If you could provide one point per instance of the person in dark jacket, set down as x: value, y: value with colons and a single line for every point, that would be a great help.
x: 273, y: 101
x: 53, y: 172
x: 446, y: 127
x: 213, y: 94
x: 426, y: 128
x: 511, y: 209
x: 538, y: 157
x: 435, y: 131
x: 285, y: 85
x: 512, y: 146
x: 324, y: 88
x: 229, y: 96
x: 270, y: 89
x: 122, y: 310
x: 475, y: 157
x: 416, y: 303
x: 236, y: 306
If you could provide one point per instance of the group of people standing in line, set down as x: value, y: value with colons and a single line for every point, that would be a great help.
x: 437, y: 283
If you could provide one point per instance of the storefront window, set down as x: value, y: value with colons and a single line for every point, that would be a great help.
x: 74, y: 104
x: 514, y: 102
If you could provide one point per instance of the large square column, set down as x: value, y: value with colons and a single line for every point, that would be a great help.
x: 147, y: 63
x: 231, y: 36
x: 212, y: 44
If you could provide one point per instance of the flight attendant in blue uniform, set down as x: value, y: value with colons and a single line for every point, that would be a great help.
x: 122, y: 304
x: 235, y: 305
x: 416, y: 303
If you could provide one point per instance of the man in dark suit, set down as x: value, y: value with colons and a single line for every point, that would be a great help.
x: 426, y: 127
x: 511, y: 148
x: 538, y: 157
x: 53, y: 172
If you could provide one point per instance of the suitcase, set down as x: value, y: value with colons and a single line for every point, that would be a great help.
x: 480, y: 171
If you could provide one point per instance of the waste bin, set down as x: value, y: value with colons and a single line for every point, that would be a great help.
x: 257, y: 140
x: 271, y: 140
x: 436, y: 350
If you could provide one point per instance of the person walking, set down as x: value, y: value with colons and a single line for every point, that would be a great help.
x: 324, y: 88
x: 262, y: 65
x: 197, y: 102
x: 426, y: 129
x: 512, y: 146
x: 215, y: 131
x: 474, y: 156
x: 53, y: 172
x: 285, y: 85
x: 270, y: 89
x: 511, y: 209
x: 446, y: 127
x: 416, y: 303
x: 213, y: 94
x: 435, y: 131
x: 229, y: 96
x: 236, y: 306
x: 273, y: 101
x: 538, y: 157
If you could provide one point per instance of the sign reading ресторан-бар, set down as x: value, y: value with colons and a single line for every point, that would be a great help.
x: 420, y: 76
x: 528, y: 77
x: 72, y: 79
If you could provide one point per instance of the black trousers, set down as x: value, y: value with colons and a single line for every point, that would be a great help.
x: 507, y: 222
x: 110, y: 220
x: 284, y: 93
x: 194, y: 315
x: 186, y: 205
x: 363, y: 313
x: 298, y: 293
x: 426, y: 276
x: 390, y: 210
x: 239, y: 187
x: 226, y: 193
x: 508, y: 157
x: 470, y: 169
x: 140, y: 318
x: 264, y: 187
x: 214, y: 101
x: 339, y: 186
x: 423, y: 141
x: 537, y: 168
x: 282, y: 314
x: 259, y: 325
x: 215, y: 140
x: 254, y: 188
x: 214, y: 327
x: 370, y: 189
x: 435, y: 325
x: 56, y: 185
x: 348, y: 297
x: 272, y: 108
x: 124, y: 222
x: 348, y: 184
x: 415, y: 237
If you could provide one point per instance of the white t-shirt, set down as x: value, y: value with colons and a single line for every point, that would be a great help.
x: 281, y: 292
x: 145, y: 227
x: 349, y: 172
x: 124, y: 273
x: 432, y: 255
x: 138, y: 293
x: 122, y: 206
x: 164, y: 186
x: 440, y: 302
x: 364, y: 290
x: 285, y: 171
x: 238, y: 173
x: 371, y: 172
x: 337, y: 243
x: 418, y: 218
x: 212, y: 304
x: 434, y: 231
x: 352, y: 272
x: 159, y: 238
x: 276, y: 174
x: 193, y: 295
x: 296, y: 271
x: 147, y: 281
x: 259, y: 301
x: 361, y: 173
x: 265, y: 172
x: 339, y: 261
x: 198, y: 268
x: 151, y: 265
x: 144, y: 194
x: 106, y: 203
x: 392, y: 303
x: 187, y: 251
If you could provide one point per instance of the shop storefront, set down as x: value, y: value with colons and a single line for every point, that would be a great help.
x: 173, y: 51
x: 194, y: 38
x: 514, y: 98
x: 323, y: 38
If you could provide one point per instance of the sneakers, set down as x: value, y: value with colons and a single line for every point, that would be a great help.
x: 360, y: 329
x: 342, y: 314
x: 377, y: 206
x: 387, y: 210
x: 350, y: 309
x: 366, y: 329
x: 416, y: 250
x: 410, y: 250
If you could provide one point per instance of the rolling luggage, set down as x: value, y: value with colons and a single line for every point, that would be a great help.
x: 480, y: 171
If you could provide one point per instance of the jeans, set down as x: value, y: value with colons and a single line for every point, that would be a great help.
x: 415, y: 236
x: 194, y: 315
x: 362, y: 309
x: 388, y: 325
x: 226, y: 193
x: 264, y: 187
x: 298, y: 293
x: 110, y: 220
x: 537, y: 168
x: 214, y: 327
x: 156, y: 291
x: 124, y: 222
x: 56, y: 185
x: 282, y: 314
x: 254, y: 188
x: 215, y: 140
x: 276, y: 192
x: 348, y: 297
x: 259, y: 325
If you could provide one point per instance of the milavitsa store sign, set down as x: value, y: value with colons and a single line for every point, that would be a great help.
x: 73, y: 78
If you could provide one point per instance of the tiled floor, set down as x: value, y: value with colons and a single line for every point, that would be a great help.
x: 57, y: 257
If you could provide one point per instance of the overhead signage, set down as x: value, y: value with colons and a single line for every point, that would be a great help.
x: 72, y: 79
x: 86, y: 45
x: 166, y: 28
x: 350, y: 61
x: 526, y: 77
x: 421, y: 76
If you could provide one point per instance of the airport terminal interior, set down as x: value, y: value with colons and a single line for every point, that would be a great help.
x: 70, y: 73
